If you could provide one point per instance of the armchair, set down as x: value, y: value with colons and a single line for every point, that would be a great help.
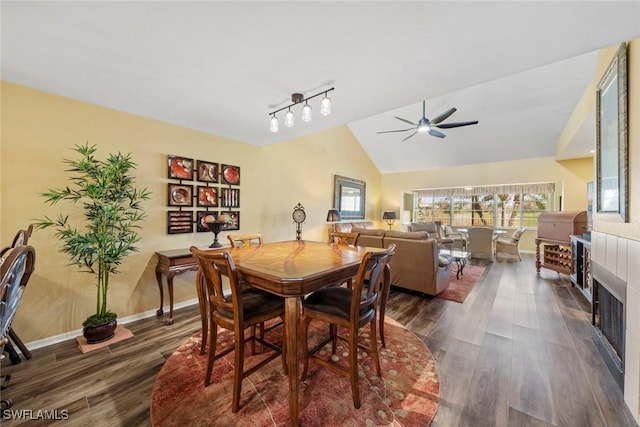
x: 509, y: 244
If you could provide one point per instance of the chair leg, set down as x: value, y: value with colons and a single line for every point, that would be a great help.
x: 374, y: 347
x: 353, y: 366
x: 333, y: 333
x: 238, y: 371
x: 213, y: 338
x: 386, y: 285
x: 304, y: 328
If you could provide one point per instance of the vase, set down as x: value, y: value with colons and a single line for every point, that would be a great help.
x: 216, y: 227
x: 100, y: 333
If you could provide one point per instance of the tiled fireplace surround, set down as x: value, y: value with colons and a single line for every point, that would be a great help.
x: 621, y: 257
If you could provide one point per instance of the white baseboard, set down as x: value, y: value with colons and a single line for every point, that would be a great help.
x: 124, y: 320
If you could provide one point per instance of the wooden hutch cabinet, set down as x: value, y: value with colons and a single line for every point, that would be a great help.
x: 553, y: 245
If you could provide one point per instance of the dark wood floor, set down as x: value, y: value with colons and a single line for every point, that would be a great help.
x: 518, y: 352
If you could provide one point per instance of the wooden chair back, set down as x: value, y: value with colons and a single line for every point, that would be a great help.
x: 239, y: 240
x: 344, y: 238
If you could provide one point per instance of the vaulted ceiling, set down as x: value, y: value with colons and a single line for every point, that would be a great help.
x: 222, y: 67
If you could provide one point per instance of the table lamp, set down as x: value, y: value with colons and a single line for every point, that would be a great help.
x: 390, y: 217
x: 333, y: 216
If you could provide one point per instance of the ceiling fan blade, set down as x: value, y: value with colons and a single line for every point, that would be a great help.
x: 399, y: 130
x: 456, y: 125
x: 410, y: 136
x: 443, y: 116
x: 405, y: 120
x: 437, y: 134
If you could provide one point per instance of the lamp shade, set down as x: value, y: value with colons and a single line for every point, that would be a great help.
x: 333, y: 215
x: 389, y: 215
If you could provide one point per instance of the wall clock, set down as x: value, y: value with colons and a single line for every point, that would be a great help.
x: 299, y: 216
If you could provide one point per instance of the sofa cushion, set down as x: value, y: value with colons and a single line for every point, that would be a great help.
x: 417, y: 235
x: 368, y: 231
x: 429, y: 227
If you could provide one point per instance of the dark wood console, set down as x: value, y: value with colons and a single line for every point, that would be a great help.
x: 170, y: 264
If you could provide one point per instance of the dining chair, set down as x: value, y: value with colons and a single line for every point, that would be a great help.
x: 351, y: 309
x: 16, y: 266
x: 243, y: 308
x: 343, y: 238
x: 509, y: 244
x: 239, y: 240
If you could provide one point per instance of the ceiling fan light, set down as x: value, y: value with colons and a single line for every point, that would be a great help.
x: 325, y: 105
x: 423, y: 127
x: 306, y: 113
x: 274, y: 124
x: 288, y: 119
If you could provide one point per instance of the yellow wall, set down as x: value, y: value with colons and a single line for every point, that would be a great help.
x: 38, y: 130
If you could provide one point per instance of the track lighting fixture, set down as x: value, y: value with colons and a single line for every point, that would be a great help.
x: 298, y: 98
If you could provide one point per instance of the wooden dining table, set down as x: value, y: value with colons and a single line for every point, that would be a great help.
x: 293, y: 269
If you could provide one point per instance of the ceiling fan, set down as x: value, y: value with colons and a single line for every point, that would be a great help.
x: 426, y: 125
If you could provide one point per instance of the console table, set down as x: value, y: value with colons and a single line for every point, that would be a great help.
x: 170, y: 264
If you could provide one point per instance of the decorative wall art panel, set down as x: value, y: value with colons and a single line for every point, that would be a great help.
x: 202, y: 217
x: 180, y: 167
x: 231, y: 174
x: 179, y: 222
x: 207, y: 196
x: 180, y: 195
x: 230, y: 198
x: 232, y: 219
x: 208, y: 171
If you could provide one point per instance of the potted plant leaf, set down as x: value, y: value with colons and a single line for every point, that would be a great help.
x: 112, y: 214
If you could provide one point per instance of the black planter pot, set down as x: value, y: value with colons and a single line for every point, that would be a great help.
x: 100, y: 333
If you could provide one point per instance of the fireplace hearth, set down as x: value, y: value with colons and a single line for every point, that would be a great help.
x: 608, y: 319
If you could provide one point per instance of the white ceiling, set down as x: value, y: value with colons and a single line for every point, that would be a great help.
x: 222, y: 67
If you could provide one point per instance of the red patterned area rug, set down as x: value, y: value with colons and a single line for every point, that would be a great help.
x: 459, y: 288
x: 406, y: 395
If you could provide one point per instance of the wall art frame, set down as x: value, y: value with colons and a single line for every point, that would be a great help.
x: 232, y: 220
x: 180, y: 167
x: 349, y: 197
x: 612, y: 159
x: 180, y: 195
x: 231, y: 174
x: 201, y: 225
x: 207, y: 196
x: 179, y: 222
x: 208, y: 171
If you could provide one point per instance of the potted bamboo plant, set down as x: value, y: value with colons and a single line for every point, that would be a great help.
x: 112, y: 214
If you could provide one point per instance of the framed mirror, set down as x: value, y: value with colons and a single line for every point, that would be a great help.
x: 349, y: 197
x: 611, y: 139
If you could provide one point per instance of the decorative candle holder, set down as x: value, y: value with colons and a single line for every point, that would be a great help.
x: 216, y: 227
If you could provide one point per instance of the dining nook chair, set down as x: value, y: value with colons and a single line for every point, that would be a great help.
x: 242, y: 309
x: 343, y: 237
x: 350, y: 308
x: 239, y: 240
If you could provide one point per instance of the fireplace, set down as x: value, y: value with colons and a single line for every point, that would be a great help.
x: 608, y: 319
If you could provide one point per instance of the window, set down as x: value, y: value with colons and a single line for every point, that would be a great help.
x: 506, y: 206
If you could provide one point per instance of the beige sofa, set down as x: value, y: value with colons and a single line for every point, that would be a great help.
x: 416, y: 265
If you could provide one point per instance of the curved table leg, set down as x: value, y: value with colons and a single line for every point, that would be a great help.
x: 160, y: 311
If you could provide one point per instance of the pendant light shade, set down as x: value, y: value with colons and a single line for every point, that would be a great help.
x: 288, y: 119
x: 325, y: 105
x: 274, y: 125
x: 306, y: 113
